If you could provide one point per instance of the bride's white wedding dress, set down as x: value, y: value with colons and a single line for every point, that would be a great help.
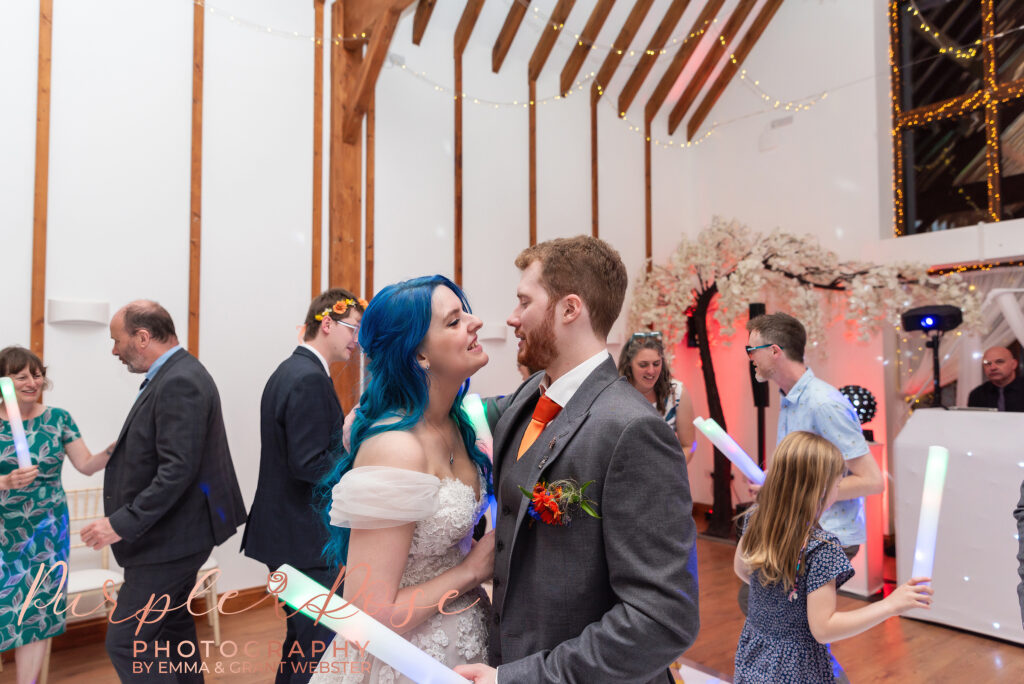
x: 445, y: 512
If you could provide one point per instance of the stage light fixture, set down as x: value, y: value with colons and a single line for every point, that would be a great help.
x: 933, y: 320
x: 929, y: 318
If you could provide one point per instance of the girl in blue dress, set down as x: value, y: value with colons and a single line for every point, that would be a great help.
x: 794, y: 567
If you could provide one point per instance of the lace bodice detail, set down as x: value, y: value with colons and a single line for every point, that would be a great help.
x: 440, y: 541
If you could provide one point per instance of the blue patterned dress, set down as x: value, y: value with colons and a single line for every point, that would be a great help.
x: 35, y: 530
x: 776, y: 645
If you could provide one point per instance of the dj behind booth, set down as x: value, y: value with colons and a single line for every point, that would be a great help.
x: 975, y: 565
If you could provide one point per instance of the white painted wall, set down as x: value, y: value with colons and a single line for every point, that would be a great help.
x: 119, y: 184
x: 18, y: 68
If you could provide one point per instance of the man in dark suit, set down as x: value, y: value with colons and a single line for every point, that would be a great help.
x: 609, y: 599
x: 300, y: 428
x: 170, y: 495
x: 1004, y: 388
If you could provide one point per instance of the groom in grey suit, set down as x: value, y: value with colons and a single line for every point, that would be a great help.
x: 608, y: 599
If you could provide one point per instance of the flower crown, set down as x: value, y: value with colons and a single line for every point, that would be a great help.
x: 340, y: 307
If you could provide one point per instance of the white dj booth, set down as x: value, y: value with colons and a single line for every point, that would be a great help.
x: 975, y: 577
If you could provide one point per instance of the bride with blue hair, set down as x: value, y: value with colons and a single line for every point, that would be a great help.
x: 405, y: 499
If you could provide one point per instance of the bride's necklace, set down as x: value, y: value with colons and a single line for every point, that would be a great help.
x: 451, y: 452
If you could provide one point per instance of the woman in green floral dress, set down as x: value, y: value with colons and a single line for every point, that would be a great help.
x: 34, y: 512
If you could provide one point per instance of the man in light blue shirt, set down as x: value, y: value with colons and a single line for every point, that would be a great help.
x: 776, y: 349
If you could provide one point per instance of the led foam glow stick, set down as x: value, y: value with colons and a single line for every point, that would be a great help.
x: 477, y: 413
x: 931, y: 501
x: 305, y: 595
x: 17, y: 429
x: 474, y: 408
x: 728, y: 446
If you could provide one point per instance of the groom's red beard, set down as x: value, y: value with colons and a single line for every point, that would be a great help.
x: 538, y: 350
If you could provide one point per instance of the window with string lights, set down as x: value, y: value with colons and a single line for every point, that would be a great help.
x: 957, y: 70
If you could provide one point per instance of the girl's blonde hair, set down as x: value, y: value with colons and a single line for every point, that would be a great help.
x: 803, y: 470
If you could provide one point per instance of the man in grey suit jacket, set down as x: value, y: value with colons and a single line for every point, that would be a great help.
x: 609, y: 599
x: 170, y: 495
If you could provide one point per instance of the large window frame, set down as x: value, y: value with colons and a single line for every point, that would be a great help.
x: 989, y: 98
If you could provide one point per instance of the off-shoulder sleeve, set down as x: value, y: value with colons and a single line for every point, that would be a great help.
x: 372, y: 497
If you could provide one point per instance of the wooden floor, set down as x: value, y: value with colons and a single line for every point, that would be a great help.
x: 900, y: 650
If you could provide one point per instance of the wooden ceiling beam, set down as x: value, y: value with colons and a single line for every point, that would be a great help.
x: 584, y: 44
x: 467, y: 22
x: 507, y: 34
x: 362, y: 15
x: 373, y: 60
x: 553, y: 29
x: 733, y: 65
x: 619, y: 47
x: 679, y: 62
x: 654, y: 48
x: 424, y: 8
x: 703, y: 73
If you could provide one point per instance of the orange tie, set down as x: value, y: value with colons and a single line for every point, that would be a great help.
x: 543, y: 413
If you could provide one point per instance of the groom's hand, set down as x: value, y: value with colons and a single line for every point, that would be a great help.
x: 478, y: 673
x: 346, y: 429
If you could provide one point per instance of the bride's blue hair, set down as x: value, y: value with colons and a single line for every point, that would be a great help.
x: 390, y: 334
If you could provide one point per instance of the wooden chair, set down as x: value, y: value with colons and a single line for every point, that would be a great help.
x: 84, y: 506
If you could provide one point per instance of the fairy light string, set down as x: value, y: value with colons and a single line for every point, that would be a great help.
x: 770, y: 102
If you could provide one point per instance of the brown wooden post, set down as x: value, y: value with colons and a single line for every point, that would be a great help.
x: 593, y: 164
x: 316, y: 276
x: 532, y: 142
x: 42, y: 179
x: 604, y: 77
x: 353, y: 77
x: 345, y: 186
x: 371, y: 154
x: 196, y: 191
x: 648, y: 219
x: 467, y: 22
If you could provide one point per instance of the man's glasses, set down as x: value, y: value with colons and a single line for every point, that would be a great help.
x: 353, y: 328
x: 751, y: 350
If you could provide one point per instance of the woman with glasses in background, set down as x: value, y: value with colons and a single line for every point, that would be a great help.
x: 642, y: 362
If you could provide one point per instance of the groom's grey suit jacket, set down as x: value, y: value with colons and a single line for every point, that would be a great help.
x: 600, y: 600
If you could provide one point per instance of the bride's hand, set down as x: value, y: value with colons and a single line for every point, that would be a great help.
x: 478, y: 673
x: 480, y: 559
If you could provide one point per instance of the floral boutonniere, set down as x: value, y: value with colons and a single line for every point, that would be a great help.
x: 555, y: 503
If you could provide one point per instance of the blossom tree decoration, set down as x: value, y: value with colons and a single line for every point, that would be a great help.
x: 790, y: 273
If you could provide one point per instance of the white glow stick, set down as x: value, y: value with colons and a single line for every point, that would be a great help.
x: 14, y: 416
x: 308, y: 596
x: 931, y: 502
x: 728, y: 446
